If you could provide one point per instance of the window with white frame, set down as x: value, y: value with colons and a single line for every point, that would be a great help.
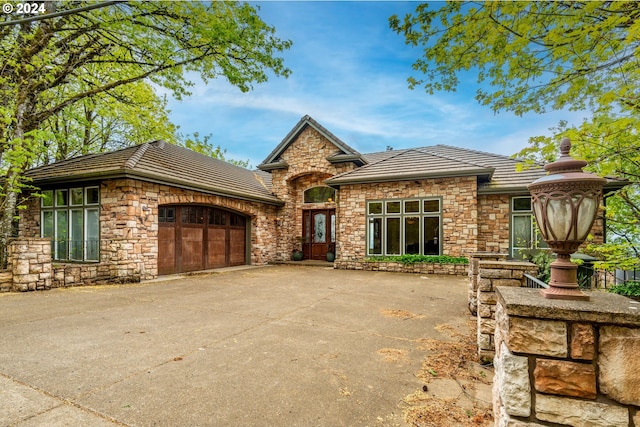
x: 406, y: 226
x: 525, y: 235
x: 71, y: 218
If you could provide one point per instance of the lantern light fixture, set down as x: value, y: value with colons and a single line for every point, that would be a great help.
x: 565, y: 204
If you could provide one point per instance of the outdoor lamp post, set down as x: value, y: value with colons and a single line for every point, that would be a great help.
x: 565, y: 204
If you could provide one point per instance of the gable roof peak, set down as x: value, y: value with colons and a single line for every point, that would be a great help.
x: 307, y: 121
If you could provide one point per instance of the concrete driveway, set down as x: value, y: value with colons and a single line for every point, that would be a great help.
x: 267, y: 346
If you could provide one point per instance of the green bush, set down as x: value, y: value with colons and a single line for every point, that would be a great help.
x: 543, y: 260
x: 418, y: 259
x: 629, y: 289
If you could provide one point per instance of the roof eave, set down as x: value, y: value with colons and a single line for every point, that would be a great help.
x: 409, y: 177
x: 122, y: 174
x: 345, y: 158
x: 517, y: 190
x: 268, y: 167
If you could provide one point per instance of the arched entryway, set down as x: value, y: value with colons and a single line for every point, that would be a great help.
x: 192, y: 238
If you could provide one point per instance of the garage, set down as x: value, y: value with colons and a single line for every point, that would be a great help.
x: 192, y: 238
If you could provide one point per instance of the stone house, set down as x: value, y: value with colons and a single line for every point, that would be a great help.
x: 157, y: 209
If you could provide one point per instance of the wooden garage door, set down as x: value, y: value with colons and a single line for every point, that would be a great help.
x: 192, y: 238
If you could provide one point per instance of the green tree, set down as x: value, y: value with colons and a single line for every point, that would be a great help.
x: 548, y: 55
x: 128, y: 115
x: 69, y: 60
x: 204, y: 146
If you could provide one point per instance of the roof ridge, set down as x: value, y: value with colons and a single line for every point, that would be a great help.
x: 367, y: 165
x: 486, y: 153
x: 132, y: 161
x: 443, y: 156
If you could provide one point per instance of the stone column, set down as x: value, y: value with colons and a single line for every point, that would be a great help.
x: 30, y: 263
x: 474, y: 259
x: 566, y: 362
x: 492, y: 274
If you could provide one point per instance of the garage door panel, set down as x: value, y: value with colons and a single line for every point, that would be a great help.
x: 237, y: 247
x: 216, y: 247
x: 166, y: 250
x: 192, y: 245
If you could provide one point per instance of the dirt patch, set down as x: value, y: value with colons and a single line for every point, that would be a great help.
x: 453, y: 365
x: 393, y: 355
x: 401, y: 314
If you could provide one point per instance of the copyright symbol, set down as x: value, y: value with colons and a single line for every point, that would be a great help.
x: 7, y: 8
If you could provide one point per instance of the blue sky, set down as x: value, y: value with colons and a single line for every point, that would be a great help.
x: 349, y: 74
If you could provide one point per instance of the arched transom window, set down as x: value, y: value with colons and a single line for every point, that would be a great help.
x: 319, y: 194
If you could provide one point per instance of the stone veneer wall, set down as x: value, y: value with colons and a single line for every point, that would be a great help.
x: 566, y: 362
x: 129, y: 231
x: 308, y: 167
x: 459, y: 212
x: 6, y: 280
x: 396, y: 267
x: 490, y: 275
x: 493, y: 222
x: 30, y: 264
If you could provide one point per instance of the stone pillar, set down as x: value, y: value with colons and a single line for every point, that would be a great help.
x: 30, y: 263
x: 492, y: 274
x: 474, y: 259
x: 566, y: 362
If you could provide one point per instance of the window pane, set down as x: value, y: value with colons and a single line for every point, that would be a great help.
x: 333, y: 228
x: 77, y: 240
x: 431, y: 235
x: 319, y: 228
x: 76, y: 196
x: 61, y: 197
x: 62, y: 233
x: 375, y: 236
x: 93, y: 235
x: 412, y: 206
x: 393, y: 236
x: 307, y: 227
x: 412, y: 235
x: 521, y: 203
x: 93, y: 196
x: 47, y: 198
x: 375, y: 208
x: 522, y: 231
x: 431, y: 206
x: 46, y: 230
x: 393, y: 207
x: 319, y: 195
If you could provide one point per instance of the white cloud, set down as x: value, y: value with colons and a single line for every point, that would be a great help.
x: 349, y: 73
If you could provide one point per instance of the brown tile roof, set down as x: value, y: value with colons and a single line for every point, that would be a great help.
x: 162, y: 163
x: 496, y: 173
x: 413, y: 163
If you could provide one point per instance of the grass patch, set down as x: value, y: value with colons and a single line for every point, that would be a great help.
x: 420, y: 259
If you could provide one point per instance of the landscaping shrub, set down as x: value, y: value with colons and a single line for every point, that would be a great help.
x: 628, y: 289
x: 418, y: 259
